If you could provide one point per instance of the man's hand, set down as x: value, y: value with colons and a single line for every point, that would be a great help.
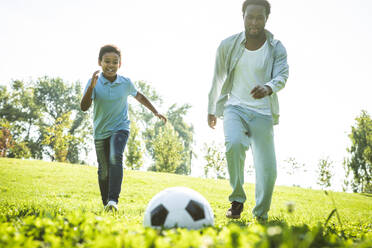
x: 212, y: 121
x: 161, y: 117
x: 94, y: 80
x: 261, y: 91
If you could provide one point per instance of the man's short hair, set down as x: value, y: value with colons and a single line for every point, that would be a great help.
x: 264, y: 3
x: 109, y: 49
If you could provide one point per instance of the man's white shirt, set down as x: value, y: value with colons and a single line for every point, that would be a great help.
x: 250, y: 72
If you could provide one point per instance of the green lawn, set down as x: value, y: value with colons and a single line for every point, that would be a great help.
x: 45, y: 204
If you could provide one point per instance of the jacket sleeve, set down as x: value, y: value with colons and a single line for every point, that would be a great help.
x: 280, y: 69
x: 218, y: 79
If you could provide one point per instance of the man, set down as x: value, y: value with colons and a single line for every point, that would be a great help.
x: 251, y: 67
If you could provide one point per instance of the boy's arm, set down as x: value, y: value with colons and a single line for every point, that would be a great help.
x: 144, y: 101
x: 87, y: 98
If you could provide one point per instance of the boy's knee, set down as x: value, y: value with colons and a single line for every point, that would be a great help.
x: 102, y: 174
x: 116, y: 160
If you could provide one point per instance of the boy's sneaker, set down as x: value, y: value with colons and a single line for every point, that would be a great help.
x: 111, y: 206
x: 235, y: 210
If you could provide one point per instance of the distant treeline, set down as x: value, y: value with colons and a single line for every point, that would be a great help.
x: 42, y: 119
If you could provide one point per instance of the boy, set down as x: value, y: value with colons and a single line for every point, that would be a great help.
x: 109, y: 92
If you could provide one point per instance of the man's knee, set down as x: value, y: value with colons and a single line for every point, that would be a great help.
x: 234, y: 145
x: 271, y: 176
x: 274, y: 176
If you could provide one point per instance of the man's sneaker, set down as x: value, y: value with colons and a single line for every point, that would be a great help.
x: 111, y: 206
x: 235, y: 210
x: 260, y: 220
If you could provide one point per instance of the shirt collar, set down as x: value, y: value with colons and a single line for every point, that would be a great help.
x: 269, y: 37
x: 105, y: 81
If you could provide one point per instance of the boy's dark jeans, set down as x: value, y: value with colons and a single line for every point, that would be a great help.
x: 110, y: 164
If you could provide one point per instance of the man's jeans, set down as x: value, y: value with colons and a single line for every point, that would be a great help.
x: 110, y: 164
x: 243, y: 129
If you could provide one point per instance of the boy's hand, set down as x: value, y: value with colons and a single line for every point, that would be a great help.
x: 161, y: 117
x: 93, y: 82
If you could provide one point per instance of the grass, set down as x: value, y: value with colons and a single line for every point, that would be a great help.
x: 46, y: 204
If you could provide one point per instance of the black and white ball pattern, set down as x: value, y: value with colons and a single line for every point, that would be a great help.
x: 178, y: 207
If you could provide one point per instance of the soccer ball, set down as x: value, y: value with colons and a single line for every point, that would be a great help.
x: 178, y: 207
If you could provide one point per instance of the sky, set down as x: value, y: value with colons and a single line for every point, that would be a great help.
x: 171, y: 44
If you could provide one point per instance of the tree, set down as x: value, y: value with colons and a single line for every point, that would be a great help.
x: 150, y: 125
x: 10, y: 147
x: 143, y: 117
x: 324, y: 173
x: 293, y: 167
x: 19, y: 150
x: 166, y: 150
x: 6, y: 139
x: 250, y: 170
x: 19, y: 108
x: 33, y: 107
x: 134, y: 151
x: 55, y: 98
x: 185, y: 132
x: 59, y: 138
x: 360, y: 162
x: 216, y: 161
x: 347, y: 180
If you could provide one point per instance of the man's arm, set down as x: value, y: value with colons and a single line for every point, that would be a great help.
x: 218, y: 79
x: 280, y: 69
x: 280, y: 75
x: 212, y: 120
x: 86, y: 102
x: 144, y: 101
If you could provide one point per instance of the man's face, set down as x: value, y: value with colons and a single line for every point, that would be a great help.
x: 254, y: 20
x: 110, y: 64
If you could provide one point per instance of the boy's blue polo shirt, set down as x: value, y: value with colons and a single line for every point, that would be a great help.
x: 110, y: 111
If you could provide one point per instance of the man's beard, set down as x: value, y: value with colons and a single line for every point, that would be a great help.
x: 254, y: 36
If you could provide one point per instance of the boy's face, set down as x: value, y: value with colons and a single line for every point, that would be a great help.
x: 110, y: 64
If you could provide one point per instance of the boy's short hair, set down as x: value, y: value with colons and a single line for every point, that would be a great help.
x: 109, y: 49
x: 263, y: 3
